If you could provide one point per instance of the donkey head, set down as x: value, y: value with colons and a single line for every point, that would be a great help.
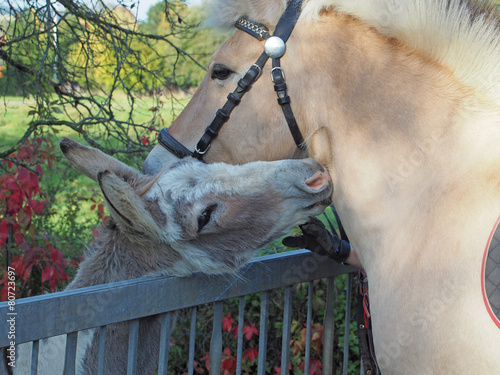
x: 210, y: 217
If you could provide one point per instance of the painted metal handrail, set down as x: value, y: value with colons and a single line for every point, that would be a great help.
x: 69, y: 312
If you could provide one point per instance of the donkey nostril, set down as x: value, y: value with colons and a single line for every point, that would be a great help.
x: 317, y: 181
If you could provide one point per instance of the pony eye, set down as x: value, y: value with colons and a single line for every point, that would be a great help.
x: 205, y: 217
x: 221, y: 72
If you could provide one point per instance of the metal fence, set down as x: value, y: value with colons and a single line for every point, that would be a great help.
x: 69, y: 312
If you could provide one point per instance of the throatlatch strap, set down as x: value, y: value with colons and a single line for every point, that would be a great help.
x: 172, y: 145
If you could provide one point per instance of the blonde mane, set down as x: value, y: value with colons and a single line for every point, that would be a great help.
x: 462, y: 35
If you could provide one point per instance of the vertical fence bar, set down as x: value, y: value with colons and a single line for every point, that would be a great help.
x: 192, y: 341
x: 70, y: 356
x: 216, y: 341
x: 34, y: 357
x: 328, y: 328
x: 345, y: 362
x: 133, y: 343
x: 241, y: 322
x: 308, y: 328
x: 166, y: 327
x: 102, y: 350
x: 264, y: 312
x: 287, y: 322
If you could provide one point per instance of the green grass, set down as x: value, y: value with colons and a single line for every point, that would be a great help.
x: 15, y: 115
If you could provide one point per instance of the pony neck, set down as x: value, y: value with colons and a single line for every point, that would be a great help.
x: 388, y: 114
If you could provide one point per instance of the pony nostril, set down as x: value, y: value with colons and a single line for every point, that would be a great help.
x: 318, y: 181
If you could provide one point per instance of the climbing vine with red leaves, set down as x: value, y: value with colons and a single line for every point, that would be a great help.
x: 38, y: 265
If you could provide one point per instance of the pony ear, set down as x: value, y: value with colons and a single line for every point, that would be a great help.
x: 90, y: 161
x: 125, y: 206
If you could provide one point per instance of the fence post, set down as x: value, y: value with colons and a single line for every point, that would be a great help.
x: 287, y: 322
x: 328, y: 328
x: 216, y: 341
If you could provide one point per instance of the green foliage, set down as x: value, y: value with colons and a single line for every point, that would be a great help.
x: 99, y: 72
x: 179, y: 352
x: 188, y: 33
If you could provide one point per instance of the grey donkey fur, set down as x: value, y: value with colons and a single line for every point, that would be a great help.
x: 192, y: 217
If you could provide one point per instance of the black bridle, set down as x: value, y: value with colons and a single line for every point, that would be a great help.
x: 274, y: 48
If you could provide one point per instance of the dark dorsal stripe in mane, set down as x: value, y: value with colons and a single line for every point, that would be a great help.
x: 482, y: 8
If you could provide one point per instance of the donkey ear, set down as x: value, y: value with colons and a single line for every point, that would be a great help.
x: 126, y: 207
x: 90, y: 160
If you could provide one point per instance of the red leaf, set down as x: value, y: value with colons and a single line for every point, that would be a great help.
x: 48, y: 273
x: 206, y: 359
x: 38, y: 168
x: 24, y: 217
x: 251, y: 354
x: 9, y: 163
x: 228, y: 361
x: 235, y: 331
x: 15, y: 202
x: 23, y: 153
x: 11, y: 183
x: 227, y: 323
x: 249, y: 330
x: 4, y: 232
x: 37, y: 206
x: 315, y: 368
x: 27, y: 272
x: 19, y: 237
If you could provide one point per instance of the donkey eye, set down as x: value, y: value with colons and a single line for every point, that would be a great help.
x: 221, y: 72
x: 205, y: 217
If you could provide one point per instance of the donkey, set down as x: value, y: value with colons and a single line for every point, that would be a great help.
x: 191, y: 217
x: 400, y: 100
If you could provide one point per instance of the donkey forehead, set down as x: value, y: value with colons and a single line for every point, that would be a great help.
x: 192, y: 179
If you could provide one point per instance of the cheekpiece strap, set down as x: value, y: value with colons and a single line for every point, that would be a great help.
x: 255, y: 29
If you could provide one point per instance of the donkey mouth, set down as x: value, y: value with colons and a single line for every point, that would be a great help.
x: 322, y: 203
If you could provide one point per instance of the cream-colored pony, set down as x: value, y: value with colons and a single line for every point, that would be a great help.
x: 400, y: 99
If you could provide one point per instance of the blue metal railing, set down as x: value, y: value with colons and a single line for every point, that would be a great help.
x: 73, y: 311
